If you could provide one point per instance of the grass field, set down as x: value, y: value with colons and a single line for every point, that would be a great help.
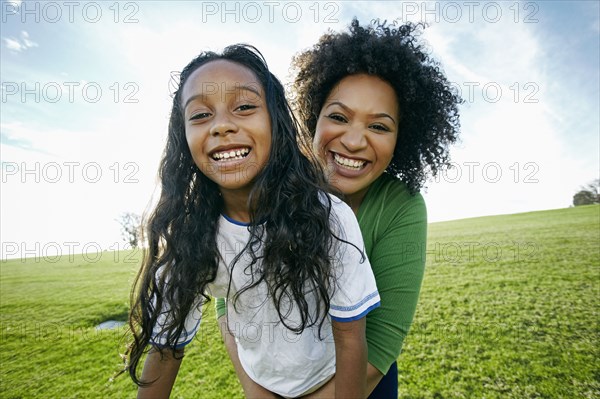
x: 509, y: 309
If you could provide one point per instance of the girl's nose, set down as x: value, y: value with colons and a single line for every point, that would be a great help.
x: 222, y: 126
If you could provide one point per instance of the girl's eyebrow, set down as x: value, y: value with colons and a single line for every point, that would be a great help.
x: 345, y: 107
x: 237, y: 88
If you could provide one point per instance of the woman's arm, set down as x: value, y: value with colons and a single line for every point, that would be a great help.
x: 398, y: 239
x: 251, y: 389
x: 162, y: 370
x: 373, y: 378
x: 350, y: 358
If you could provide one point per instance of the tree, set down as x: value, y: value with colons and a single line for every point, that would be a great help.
x: 590, y: 194
x: 130, y: 228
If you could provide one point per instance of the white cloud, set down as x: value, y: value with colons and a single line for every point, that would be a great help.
x: 28, y: 43
x: 12, y: 44
x: 21, y: 44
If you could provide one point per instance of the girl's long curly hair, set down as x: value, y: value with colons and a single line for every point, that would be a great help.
x: 429, y: 119
x: 290, y: 222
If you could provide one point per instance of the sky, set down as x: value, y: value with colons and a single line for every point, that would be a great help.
x: 86, y: 90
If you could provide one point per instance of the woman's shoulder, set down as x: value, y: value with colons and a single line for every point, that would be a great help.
x: 390, y: 196
x: 390, y: 209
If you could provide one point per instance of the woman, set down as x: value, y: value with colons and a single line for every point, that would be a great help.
x: 382, y: 116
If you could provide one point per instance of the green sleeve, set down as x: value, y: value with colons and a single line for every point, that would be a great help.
x: 397, y: 257
x: 220, y: 307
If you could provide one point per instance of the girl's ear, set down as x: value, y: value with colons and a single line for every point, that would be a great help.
x: 174, y: 82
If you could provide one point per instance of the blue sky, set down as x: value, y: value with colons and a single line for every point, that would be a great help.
x: 85, y: 102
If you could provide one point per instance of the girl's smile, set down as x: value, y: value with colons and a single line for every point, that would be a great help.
x: 230, y: 157
x: 227, y: 124
x: 222, y: 155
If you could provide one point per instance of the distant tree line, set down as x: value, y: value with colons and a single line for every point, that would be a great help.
x: 590, y: 194
x: 130, y: 228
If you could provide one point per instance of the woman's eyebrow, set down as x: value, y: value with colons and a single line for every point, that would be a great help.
x: 347, y: 109
x: 382, y: 115
x: 340, y: 104
x: 237, y: 88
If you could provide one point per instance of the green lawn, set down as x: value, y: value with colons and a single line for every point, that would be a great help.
x: 509, y: 309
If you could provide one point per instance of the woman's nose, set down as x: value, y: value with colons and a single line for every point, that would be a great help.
x: 354, y: 139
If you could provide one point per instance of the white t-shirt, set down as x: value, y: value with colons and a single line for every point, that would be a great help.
x: 275, y: 357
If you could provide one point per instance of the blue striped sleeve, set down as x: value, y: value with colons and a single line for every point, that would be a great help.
x: 357, y: 317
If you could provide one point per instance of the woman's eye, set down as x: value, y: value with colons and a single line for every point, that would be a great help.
x: 383, y: 128
x: 200, y: 115
x: 337, y: 117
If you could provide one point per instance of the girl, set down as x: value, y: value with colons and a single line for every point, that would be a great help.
x: 243, y: 214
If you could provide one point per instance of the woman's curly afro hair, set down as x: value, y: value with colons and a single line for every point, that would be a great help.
x: 429, y: 119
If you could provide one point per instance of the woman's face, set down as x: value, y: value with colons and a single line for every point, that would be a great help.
x: 227, y: 124
x: 356, y: 133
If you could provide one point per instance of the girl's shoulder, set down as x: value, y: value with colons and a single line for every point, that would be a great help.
x: 339, y: 208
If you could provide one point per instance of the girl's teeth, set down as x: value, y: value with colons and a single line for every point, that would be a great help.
x: 235, y: 154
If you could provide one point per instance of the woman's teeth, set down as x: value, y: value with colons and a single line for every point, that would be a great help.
x: 231, y: 154
x: 348, y: 163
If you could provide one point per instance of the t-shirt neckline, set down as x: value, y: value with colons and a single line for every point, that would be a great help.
x: 236, y: 222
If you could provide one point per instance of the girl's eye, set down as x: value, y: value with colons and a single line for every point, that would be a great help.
x: 381, y: 127
x: 200, y: 115
x: 337, y: 117
x: 245, y: 107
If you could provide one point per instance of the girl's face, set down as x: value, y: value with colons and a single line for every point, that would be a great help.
x: 356, y: 133
x: 227, y: 124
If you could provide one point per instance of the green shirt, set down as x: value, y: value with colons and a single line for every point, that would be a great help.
x: 394, y: 228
